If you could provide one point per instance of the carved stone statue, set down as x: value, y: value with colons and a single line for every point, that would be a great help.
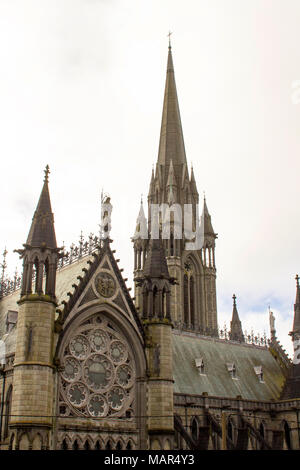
x: 272, y: 321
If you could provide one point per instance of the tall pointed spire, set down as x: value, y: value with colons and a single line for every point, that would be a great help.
x: 236, y: 332
x: 40, y: 251
x: 42, y: 233
x: 296, y: 324
x: 141, y: 231
x: 171, y: 144
x: 193, y: 183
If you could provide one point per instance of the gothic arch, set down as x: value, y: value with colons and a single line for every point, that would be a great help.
x: 24, y: 442
x: 64, y: 445
x: 116, y: 329
x: 287, y: 435
x: 37, y: 443
x: 109, y: 445
x: 98, y: 444
x: 262, y: 432
x: 122, y: 322
x: 75, y: 445
x: 192, y: 291
x: 129, y: 445
x: 195, y: 428
x: 230, y: 430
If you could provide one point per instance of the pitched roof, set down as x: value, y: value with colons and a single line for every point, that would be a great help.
x: 217, y: 381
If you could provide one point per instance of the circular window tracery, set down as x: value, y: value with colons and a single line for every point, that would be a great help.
x: 97, y: 405
x: 98, y: 373
x: 72, y: 369
x: 99, y: 340
x: 118, y: 352
x: 79, y: 347
x: 77, y: 394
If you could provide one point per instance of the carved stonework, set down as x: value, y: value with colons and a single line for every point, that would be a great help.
x: 105, y: 285
x: 89, y: 296
x: 98, y: 372
x: 119, y: 301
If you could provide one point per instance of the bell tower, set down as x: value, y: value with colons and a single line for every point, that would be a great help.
x: 33, y: 379
x: 173, y: 201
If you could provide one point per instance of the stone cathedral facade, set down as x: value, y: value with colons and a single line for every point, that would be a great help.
x: 87, y: 366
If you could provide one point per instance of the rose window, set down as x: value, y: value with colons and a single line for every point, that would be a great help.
x: 98, y: 373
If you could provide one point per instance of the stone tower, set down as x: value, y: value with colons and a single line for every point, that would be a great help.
x: 173, y: 196
x: 33, y: 380
x: 155, y: 287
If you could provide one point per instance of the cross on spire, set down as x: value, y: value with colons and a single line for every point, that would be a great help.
x: 234, y: 299
x: 169, y: 36
x: 47, y: 172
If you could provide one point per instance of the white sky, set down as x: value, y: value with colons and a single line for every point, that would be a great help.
x: 81, y: 88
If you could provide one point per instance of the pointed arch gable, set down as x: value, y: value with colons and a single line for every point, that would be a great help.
x: 122, y: 322
x: 104, y: 264
x: 116, y: 328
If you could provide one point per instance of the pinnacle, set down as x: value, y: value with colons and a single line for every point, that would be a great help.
x: 42, y: 231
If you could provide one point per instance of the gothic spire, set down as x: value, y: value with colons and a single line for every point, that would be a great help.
x: 206, y: 219
x: 171, y: 144
x: 151, y: 187
x: 40, y: 251
x: 141, y: 230
x: 193, y: 184
x: 236, y: 332
x: 42, y: 233
x: 296, y: 324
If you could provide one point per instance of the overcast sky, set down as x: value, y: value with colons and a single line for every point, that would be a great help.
x: 81, y: 89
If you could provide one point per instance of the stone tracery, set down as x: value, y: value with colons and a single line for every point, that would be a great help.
x: 97, y: 379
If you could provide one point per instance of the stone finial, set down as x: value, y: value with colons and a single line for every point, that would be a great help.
x: 47, y: 172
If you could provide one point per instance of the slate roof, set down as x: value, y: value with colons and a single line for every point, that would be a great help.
x: 216, y: 354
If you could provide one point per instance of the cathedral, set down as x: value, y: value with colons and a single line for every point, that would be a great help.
x: 87, y: 366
